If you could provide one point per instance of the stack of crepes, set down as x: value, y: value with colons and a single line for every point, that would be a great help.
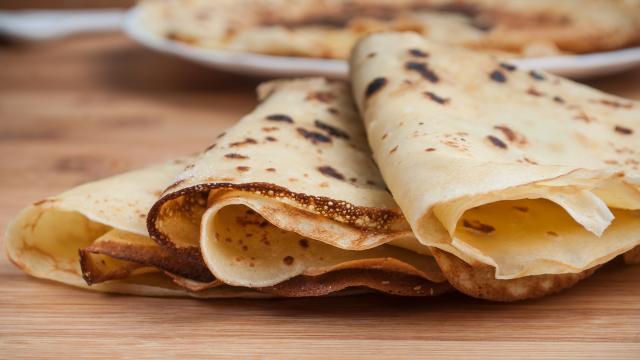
x: 509, y: 185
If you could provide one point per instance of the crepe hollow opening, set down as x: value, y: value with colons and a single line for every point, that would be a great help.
x: 537, y: 236
x: 46, y: 242
x: 175, y: 219
x: 49, y: 239
x: 305, y: 242
x: 242, y: 247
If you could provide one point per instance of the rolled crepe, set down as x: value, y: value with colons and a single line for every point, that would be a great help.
x: 522, y: 182
x: 291, y: 191
x: 287, y: 203
x: 106, y: 216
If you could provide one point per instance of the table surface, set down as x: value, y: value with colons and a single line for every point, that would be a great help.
x: 82, y: 108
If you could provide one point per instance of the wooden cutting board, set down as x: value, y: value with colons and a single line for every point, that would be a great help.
x: 78, y: 109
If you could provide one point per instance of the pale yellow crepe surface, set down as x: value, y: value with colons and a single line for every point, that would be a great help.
x: 521, y: 170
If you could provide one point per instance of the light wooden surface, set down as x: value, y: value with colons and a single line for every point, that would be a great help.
x: 79, y: 109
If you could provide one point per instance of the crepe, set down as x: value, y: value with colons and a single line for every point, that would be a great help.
x: 287, y: 203
x: 46, y: 237
x: 289, y: 191
x: 329, y: 28
x: 525, y: 182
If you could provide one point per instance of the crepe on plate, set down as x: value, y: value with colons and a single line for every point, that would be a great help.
x: 288, y: 203
x: 521, y: 182
x: 329, y: 28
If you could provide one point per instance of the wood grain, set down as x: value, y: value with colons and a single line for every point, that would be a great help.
x: 86, y: 107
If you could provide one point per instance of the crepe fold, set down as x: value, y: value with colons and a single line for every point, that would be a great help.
x: 291, y: 191
x: 524, y: 182
x: 102, y: 223
x: 286, y: 203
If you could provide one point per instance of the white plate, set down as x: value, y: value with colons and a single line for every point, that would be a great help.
x: 574, y: 66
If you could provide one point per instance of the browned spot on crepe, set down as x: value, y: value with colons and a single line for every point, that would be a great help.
x: 235, y: 156
x: 331, y: 172
x: 623, y: 130
x: 313, y: 136
x: 422, y: 69
x: 497, y: 142
x: 478, y: 226
x: 374, y: 86
x: 288, y: 260
x: 280, y: 118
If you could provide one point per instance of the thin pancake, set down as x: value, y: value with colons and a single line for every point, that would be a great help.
x: 290, y: 190
x: 330, y: 28
x: 523, y: 171
x: 46, y: 239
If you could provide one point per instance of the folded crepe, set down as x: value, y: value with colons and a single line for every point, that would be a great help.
x: 290, y: 191
x: 522, y: 183
x: 48, y: 239
x: 287, y: 203
x: 329, y: 28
